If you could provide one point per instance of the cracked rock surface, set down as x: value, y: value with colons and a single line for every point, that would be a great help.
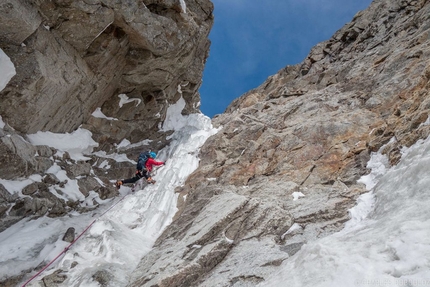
x: 72, y: 57
x: 309, y: 131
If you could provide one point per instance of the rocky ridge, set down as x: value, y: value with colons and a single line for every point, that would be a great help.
x: 128, y: 59
x: 307, y: 131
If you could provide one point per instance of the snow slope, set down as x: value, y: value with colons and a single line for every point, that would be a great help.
x: 386, y: 243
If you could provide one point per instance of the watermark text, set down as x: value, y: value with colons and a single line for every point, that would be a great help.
x: 393, y: 282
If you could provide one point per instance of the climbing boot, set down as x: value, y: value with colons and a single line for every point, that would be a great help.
x: 118, y: 184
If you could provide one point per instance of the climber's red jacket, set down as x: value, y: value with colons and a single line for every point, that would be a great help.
x: 150, y: 162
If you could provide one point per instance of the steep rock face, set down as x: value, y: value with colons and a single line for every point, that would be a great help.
x: 41, y: 195
x: 131, y: 59
x: 308, y: 131
x: 72, y: 57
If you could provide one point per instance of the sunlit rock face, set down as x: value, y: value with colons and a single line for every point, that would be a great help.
x: 72, y: 57
x: 292, y: 150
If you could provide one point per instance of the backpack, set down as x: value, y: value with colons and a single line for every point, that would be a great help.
x: 141, y: 161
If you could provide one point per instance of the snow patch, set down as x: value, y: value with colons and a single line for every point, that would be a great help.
x: 99, y: 114
x: 126, y: 144
x: 70, y: 190
x: 2, y: 124
x: 104, y: 164
x: 123, y: 143
x: 230, y: 241
x: 175, y: 120
x: 124, y: 100
x: 76, y: 143
x: 115, y: 156
x: 183, y: 6
x: 7, y: 70
x: 296, y: 195
x: 293, y: 228
x: 16, y: 186
x: 378, y: 164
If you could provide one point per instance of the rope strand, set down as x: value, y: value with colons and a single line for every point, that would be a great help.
x: 68, y: 246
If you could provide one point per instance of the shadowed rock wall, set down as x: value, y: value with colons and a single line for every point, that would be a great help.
x: 72, y: 57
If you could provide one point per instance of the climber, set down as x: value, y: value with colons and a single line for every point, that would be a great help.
x: 144, y: 166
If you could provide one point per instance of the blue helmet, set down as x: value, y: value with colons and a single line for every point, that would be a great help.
x: 152, y: 154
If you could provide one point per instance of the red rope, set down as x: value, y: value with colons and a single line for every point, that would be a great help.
x: 68, y: 246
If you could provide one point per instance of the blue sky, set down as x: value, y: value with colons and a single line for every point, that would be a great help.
x: 252, y: 40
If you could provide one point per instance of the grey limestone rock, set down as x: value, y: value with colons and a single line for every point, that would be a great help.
x: 293, y: 149
x: 72, y: 57
x: 69, y: 236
